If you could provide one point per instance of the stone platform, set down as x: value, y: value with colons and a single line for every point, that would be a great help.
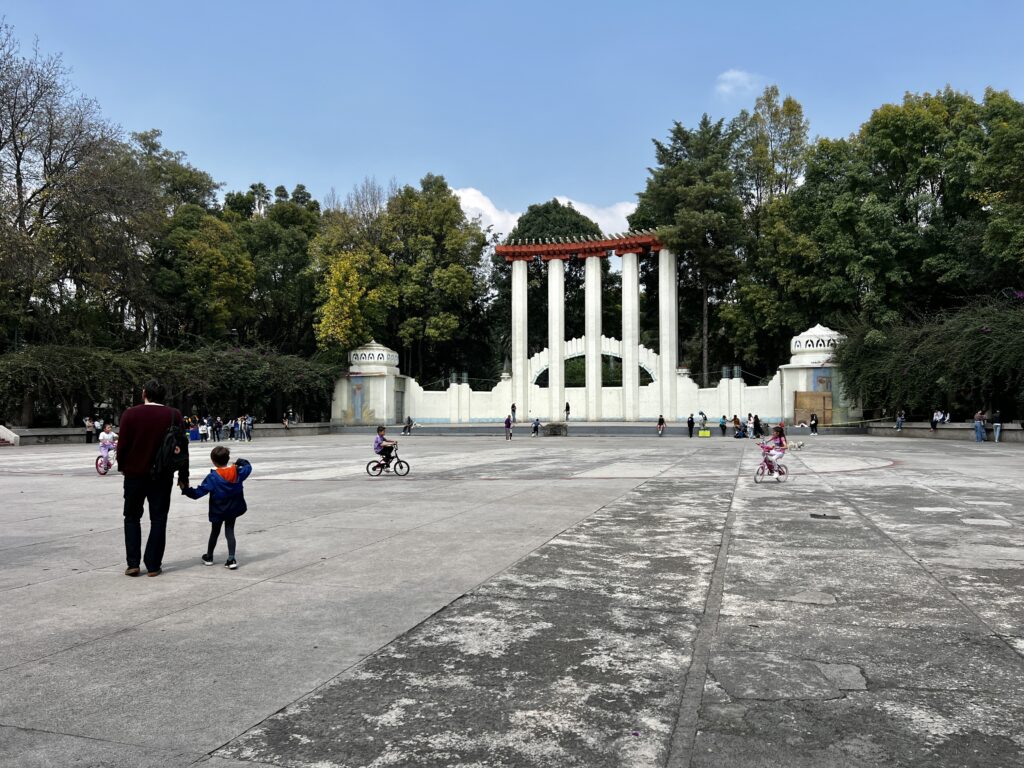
x: 588, y: 601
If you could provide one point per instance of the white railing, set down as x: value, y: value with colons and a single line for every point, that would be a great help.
x: 11, y: 437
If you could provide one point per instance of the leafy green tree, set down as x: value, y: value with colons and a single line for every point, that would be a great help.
x: 178, y: 180
x: 1002, y: 187
x: 692, y: 196
x: 438, y: 254
x: 206, y: 277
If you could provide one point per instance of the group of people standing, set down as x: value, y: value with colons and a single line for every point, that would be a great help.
x: 206, y: 428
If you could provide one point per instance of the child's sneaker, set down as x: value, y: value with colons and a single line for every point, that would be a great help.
x: 207, y: 559
x: 232, y: 564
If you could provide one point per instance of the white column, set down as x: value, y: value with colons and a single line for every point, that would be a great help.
x: 556, y: 339
x: 668, y: 331
x: 592, y: 301
x: 520, y: 386
x: 630, y: 337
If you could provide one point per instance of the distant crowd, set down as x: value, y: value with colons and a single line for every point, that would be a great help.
x: 200, y: 429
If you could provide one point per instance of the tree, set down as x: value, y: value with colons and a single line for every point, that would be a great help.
x: 1002, y: 187
x: 206, y: 276
x: 180, y: 182
x: 283, y: 295
x: 692, y: 197
x: 438, y: 253
x: 76, y: 209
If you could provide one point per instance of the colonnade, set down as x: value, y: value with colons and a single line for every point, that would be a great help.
x: 554, y: 256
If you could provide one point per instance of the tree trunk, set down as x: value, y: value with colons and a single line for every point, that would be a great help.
x: 704, y: 336
x: 27, y: 407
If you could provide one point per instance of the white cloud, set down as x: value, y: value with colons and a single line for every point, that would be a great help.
x: 737, y: 82
x: 611, y: 219
x: 476, y: 203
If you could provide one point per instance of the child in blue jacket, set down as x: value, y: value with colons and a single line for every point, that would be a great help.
x: 227, y: 501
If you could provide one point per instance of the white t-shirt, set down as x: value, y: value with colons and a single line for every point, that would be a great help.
x: 108, y: 437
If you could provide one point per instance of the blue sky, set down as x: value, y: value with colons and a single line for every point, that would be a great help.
x: 513, y: 102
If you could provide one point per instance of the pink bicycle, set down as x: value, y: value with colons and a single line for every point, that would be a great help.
x: 769, y: 468
x: 105, y: 463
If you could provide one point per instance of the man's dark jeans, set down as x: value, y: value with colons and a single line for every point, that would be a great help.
x: 137, y: 491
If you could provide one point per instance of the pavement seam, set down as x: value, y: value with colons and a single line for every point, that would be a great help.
x: 684, y: 731
x: 468, y: 594
x: 917, y: 561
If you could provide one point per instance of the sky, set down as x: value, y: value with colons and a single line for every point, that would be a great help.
x: 514, y: 103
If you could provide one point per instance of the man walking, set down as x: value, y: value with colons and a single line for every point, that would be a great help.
x: 689, y: 424
x: 997, y: 425
x: 143, y: 429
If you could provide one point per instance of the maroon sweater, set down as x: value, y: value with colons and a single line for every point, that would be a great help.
x: 140, y: 433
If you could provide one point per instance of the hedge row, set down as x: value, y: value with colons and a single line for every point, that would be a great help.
x: 959, y: 360
x: 40, y: 384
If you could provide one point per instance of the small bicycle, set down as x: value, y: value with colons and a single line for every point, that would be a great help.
x: 766, y: 468
x: 103, y: 465
x: 396, y: 465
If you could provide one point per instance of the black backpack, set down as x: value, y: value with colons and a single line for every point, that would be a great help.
x: 172, y: 452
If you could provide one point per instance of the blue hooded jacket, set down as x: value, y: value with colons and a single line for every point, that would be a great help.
x: 227, y: 500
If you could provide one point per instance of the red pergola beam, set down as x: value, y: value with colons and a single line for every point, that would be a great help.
x: 637, y: 242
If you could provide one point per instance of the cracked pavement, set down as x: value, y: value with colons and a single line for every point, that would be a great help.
x: 581, y: 601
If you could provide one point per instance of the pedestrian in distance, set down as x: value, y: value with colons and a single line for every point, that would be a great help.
x: 567, y: 410
x: 689, y: 424
x: 661, y: 425
x: 750, y: 425
x: 508, y: 427
x: 536, y: 428
x: 979, y: 426
x: 152, y: 446
x: 757, y: 426
x: 227, y: 501
x: 901, y: 417
x: 722, y: 424
x: 513, y: 409
x: 814, y: 424
x: 933, y: 425
x: 90, y: 429
x: 997, y: 425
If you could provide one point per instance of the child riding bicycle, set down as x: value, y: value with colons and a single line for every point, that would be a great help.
x: 776, y: 446
x: 383, y: 447
x: 108, y: 441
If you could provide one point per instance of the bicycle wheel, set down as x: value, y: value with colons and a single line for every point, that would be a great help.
x: 401, y: 467
x: 101, y: 466
x: 374, y: 468
x: 781, y: 473
x: 759, y: 474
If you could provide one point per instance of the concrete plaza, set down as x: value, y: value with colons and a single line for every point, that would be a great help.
x: 585, y: 601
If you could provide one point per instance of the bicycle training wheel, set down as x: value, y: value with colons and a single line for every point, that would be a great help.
x: 401, y: 467
x: 101, y: 466
x: 781, y: 473
x: 374, y: 468
x: 759, y: 474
